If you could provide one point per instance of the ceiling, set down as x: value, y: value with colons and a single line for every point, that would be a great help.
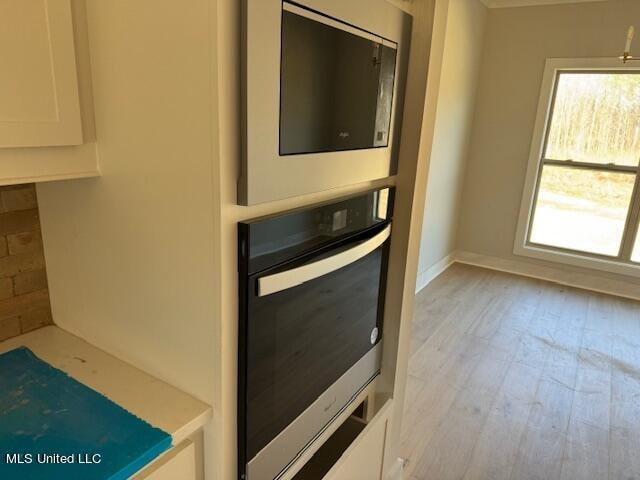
x: 524, y: 3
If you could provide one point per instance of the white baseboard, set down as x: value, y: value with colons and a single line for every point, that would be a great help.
x: 594, y: 283
x: 432, y: 272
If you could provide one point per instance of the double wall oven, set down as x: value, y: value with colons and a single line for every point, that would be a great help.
x: 312, y: 286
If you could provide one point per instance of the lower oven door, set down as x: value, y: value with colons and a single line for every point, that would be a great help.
x: 312, y: 337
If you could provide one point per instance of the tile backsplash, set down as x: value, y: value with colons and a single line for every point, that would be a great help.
x: 24, y: 297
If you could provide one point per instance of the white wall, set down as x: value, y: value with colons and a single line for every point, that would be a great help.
x: 455, y: 107
x: 517, y: 42
x: 130, y: 254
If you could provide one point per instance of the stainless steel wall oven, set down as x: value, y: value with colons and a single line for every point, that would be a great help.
x: 312, y: 286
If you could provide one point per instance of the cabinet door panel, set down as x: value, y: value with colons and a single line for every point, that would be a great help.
x: 39, y: 103
x: 363, y: 460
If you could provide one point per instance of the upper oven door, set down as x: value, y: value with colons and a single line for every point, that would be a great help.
x: 308, y: 323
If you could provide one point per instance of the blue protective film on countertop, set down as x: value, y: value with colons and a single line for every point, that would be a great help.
x: 47, y: 417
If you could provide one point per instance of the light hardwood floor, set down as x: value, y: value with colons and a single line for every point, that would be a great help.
x: 516, y: 378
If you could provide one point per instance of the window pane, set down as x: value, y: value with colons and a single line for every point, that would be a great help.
x: 596, y: 118
x: 582, y: 210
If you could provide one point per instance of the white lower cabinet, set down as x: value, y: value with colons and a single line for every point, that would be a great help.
x: 363, y: 459
x: 179, y: 463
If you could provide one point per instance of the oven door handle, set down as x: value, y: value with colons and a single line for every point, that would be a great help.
x: 299, y: 275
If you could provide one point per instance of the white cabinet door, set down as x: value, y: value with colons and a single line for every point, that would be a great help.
x: 363, y: 459
x: 39, y: 103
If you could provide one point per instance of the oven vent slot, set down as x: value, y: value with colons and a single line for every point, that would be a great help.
x: 331, y: 451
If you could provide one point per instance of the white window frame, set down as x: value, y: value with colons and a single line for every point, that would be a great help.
x: 522, y: 246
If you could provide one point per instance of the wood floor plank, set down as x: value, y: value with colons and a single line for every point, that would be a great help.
x: 596, y: 350
x: 505, y: 425
x: 517, y: 378
x: 445, y: 340
x: 437, y: 396
x: 420, y: 425
x: 624, y: 461
x: 541, y: 447
x: 592, y: 398
x: 449, y: 452
x: 413, y: 391
x: 435, y: 400
x: 627, y: 316
x: 586, y: 452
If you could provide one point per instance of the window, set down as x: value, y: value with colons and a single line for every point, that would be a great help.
x: 581, y: 202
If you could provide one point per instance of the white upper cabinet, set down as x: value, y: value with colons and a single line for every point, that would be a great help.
x: 39, y: 103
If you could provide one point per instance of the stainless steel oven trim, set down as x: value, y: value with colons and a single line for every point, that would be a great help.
x: 299, y: 275
x: 273, y: 460
x: 303, y: 12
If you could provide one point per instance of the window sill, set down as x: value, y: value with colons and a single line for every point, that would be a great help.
x: 578, y: 260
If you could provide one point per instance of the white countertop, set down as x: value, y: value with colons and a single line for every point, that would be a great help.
x: 143, y: 395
